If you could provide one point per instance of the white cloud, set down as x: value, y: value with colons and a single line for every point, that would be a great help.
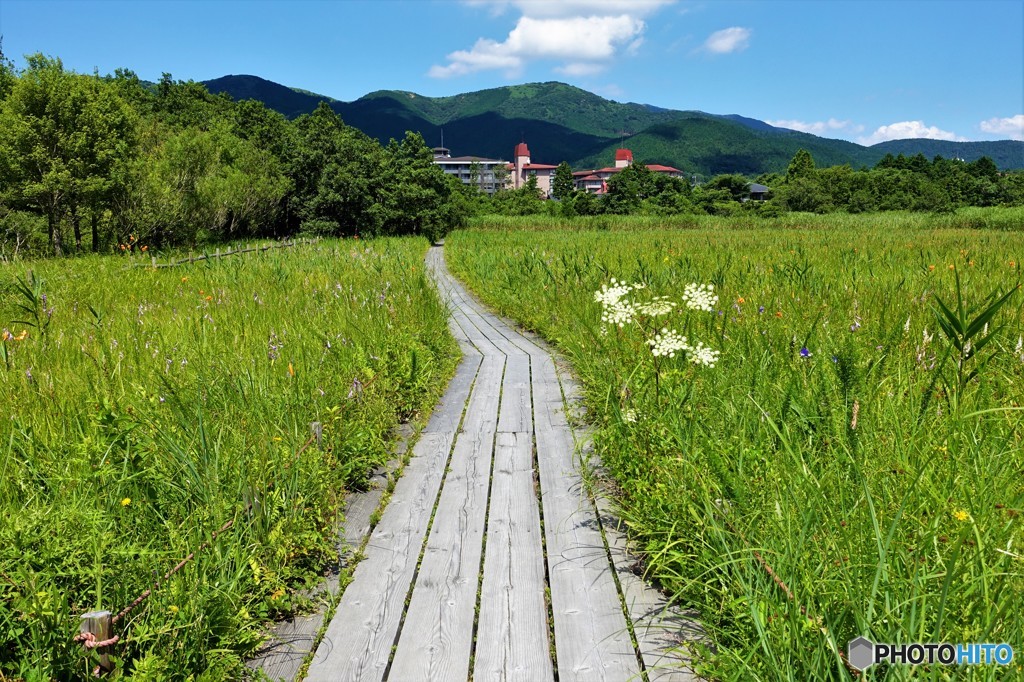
x: 574, y: 8
x: 584, y: 34
x: 733, y: 39
x: 579, y: 69
x: 824, y: 128
x: 905, y: 130
x: 1012, y: 127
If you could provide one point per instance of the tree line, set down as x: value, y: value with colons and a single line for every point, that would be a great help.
x: 90, y: 162
x: 896, y: 183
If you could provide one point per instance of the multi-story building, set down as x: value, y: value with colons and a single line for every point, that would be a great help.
x: 522, y: 170
x: 489, y: 175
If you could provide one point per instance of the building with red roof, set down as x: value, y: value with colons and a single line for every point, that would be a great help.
x: 522, y: 169
x: 595, y: 181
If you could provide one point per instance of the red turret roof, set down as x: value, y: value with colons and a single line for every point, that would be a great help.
x: 521, y: 150
x: 623, y: 155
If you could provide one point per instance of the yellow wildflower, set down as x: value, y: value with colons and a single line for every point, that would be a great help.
x: 961, y: 515
x: 291, y: 370
x: 6, y: 336
x: 126, y: 501
x: 22, y: 336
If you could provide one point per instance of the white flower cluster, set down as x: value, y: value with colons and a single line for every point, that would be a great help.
x: 700, y: 297
x: 617, y: 311
x: 659, y: 305
x: 666, y: 343
x: 703, y: 356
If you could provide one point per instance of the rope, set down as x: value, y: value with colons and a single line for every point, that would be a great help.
x: 89, y: 640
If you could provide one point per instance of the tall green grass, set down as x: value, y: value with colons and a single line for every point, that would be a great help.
x: 142, y: 409
x: 971, y: 218
x: 830, y: 443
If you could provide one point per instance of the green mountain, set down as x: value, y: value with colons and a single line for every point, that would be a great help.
x: 291, y: 102
x: 562, y: 122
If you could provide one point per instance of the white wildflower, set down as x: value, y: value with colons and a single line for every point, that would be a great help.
x: 700, y: 297
x: 629, y: 416
x: 1020, y: 344
x: 702, y: 355
x: 906, y: 326
x: 616, y: 310
x: 667, y: 343
x: 657, y: 306
x: 984, y: 332
x: 926, y: 338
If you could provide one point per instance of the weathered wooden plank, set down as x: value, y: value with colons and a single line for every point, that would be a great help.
x: 662, y: 630
x: 482, y: 410
x: 516, y: 410
x: 438, y: 631
x: 358, y: 641
x: 512, y: 635
x: 447, y: 413
x: 591, y: 635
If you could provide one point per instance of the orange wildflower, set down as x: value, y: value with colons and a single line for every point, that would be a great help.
x: 778, y: 313
x: 952, y: 267
x: 740, y: 300
x: 22, y: 336
x: 931, y: 268
x: 6, y: 336
x: 291, y: 370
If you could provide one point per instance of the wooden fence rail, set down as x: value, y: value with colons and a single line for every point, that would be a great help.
x: 230, y: 252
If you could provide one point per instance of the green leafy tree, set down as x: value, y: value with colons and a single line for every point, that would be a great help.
x: 416, y: 196
x: 801, y: 166
x: 61, y: 136
x: 562, y: 185
x: 7, y: 74
x: 336, y: 171
x: 737, y: 185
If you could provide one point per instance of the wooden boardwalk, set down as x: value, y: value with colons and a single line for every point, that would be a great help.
x: 490, y: 562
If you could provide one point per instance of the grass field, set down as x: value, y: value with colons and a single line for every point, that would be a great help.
x: 841, y: 441
x: 143, y: 409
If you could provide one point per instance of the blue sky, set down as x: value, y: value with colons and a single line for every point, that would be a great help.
x: 865, y: 71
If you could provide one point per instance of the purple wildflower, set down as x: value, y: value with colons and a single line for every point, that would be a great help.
x: 804, y: 353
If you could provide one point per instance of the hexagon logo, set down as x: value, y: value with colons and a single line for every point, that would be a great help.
x: 861, y: 653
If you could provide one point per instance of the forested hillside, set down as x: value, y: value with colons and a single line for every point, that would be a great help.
x: 565, y: 123
x: 92, y: 163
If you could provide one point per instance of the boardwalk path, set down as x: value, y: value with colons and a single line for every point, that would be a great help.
x: 490, y: 561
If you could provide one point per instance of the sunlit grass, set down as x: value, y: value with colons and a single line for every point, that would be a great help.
x: 829, y: 439
x: 143, y: 408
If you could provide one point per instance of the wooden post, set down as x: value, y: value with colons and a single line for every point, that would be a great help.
x: 98, y: 623
x: 153, y: 260
x: 218, y: 252
x: 317, y: 430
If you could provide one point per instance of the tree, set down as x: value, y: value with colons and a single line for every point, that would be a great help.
x: 61, y: 135
x: 563, y: 185
x: 7, y: 76
x: 801, y: 166
x: 737, y: 185
x: 416, y: 195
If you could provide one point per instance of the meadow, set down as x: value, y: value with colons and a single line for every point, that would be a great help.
x: 144, y: 409
x: 826, y: 443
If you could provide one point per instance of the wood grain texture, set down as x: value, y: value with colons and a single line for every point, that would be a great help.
x: 358, y: 640
x: 512, y: 636
x: 591, y: 635
x: 438, y: 631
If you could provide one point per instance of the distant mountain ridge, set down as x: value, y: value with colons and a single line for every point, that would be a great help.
x: 561, y: 122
